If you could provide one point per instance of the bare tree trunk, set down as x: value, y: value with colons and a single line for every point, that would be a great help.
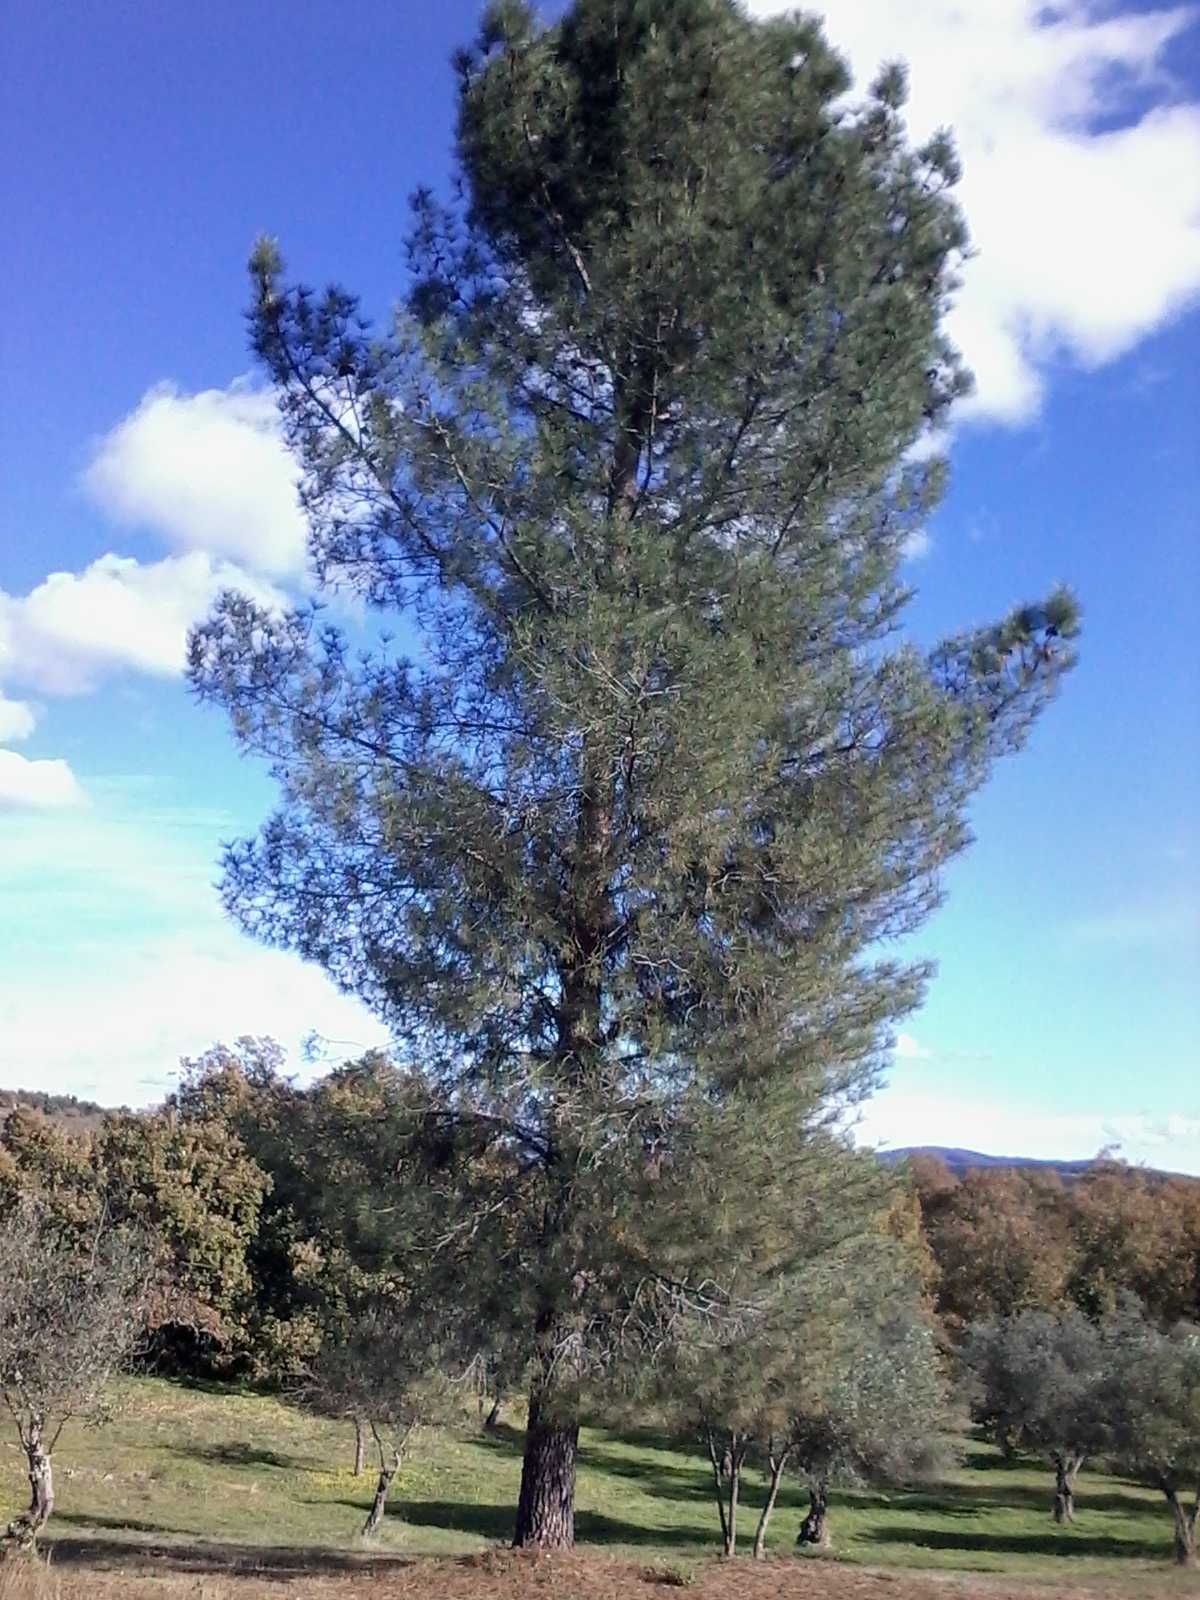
x: 389, y: 1466
x: 23, y: 1531
x: 360, y: 1447
x: 814, y: 1529
x: 777, y: 1464
x: 1066, y: 1470
x: 492, y: 1419
x: 1185, y: 1529
x: 546, y: 1505
x: 735, y: 1481
x: 720, y: 1473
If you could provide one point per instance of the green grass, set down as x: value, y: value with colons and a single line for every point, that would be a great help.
x: 181, y: 1466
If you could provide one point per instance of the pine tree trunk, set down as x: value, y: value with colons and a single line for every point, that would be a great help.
x: 1185, y: 1530
x: 814, y: 1529
x: 23, y: 1531
x: 760, y: 1533
x: 360, y: 1447
x: 546, y: 1505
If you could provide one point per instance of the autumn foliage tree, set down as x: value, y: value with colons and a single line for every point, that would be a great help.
x: 181, y: 1174
x: 1004, y: 1241
x: 635, y: 824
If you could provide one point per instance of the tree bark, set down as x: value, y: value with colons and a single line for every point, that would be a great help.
x: 814, y: 1529
x: 493, y: 1417
x: 777, y: 1464
x: 546, y: 1505
x: 23, y: 1531
x: 735, y: 1481
x: 1185, y: 1529
x: 379, y: 1503
x: 1066, y: 1470
x: 360, y: 1447
x: 720, y: 1472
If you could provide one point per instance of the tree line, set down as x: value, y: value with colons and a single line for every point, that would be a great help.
x: 306, y: 1240
x: 1000, y: 1241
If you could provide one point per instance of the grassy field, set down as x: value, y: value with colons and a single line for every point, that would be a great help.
x: 194, y: 1483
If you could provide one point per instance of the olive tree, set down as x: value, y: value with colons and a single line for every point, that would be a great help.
x: 390, y: 1370
x: 1150, y: 1402
x: 72, y: 1313
x: 879, y: 1414
x: 820, y: 1295
x: 1036, y: 1381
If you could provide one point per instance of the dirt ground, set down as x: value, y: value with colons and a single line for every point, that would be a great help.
x: 503, y: 1575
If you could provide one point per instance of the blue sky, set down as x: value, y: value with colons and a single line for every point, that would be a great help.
x: 147, y: 145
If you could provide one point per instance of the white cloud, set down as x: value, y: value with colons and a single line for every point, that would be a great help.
x: 205, y: 472
x: 1081, y: 172
x: 76, y: 628
x: 37, y: 785
x: 17, y: 720
x: 907, y: 1048
x: 121, y: 1023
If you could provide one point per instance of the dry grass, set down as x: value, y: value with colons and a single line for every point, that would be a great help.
x: 505, y: 1575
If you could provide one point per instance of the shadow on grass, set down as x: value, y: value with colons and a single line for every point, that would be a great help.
x: 992, y: 1461
x: 971, y: 1499
x: 236, y: 1454
x: 268, y: 1563
x: 655, y: 1477
x: 78, y: 1519
x: 502, y: 1440
x: 1060, y: 1543
x: 495, y: 1523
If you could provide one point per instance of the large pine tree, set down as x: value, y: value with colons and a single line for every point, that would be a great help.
x: 623, y: 844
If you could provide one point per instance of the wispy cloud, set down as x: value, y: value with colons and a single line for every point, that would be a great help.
x: 124, y: 895
x: 907, y: 1048
x: 1167, y: 920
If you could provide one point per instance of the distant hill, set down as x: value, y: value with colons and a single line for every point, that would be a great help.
x: 73, y: 1114
x: 961, y: 1161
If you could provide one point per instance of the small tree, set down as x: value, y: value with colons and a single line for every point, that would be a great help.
x: 1036, y: 1379
x: 822, y: 1282
x: 70, y: 1318
x: 1151, y: 1406
x: 385, y: 1369
x: 879, y: 1417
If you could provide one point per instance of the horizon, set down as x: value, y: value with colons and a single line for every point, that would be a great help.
x: 145, y: 470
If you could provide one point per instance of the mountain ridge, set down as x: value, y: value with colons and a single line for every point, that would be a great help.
x: 960, y: 1161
